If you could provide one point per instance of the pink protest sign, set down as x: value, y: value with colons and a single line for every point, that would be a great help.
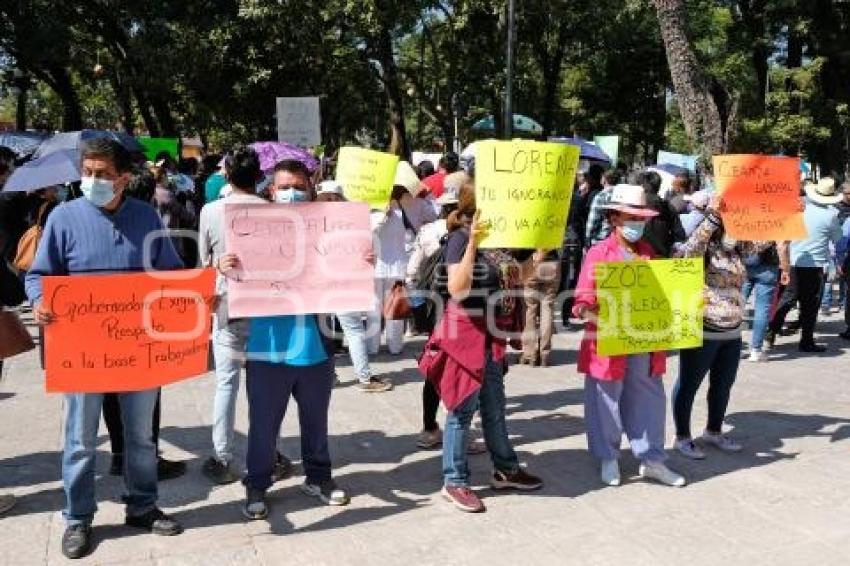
x: 299, y: 258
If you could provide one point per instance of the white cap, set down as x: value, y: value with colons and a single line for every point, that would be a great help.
x: 330, y: 187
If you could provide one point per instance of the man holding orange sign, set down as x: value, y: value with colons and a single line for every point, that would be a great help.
x: 104, y: 232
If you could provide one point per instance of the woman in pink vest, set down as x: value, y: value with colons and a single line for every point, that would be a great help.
x: 622, y: 393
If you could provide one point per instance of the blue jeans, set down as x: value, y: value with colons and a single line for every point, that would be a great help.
x: 717, y: 357
x: 826, y: 302
x: 78, y: 458
x: 763, y: 279
x: 228, y: 353
x: 355, y: 335
x: 491, y: 400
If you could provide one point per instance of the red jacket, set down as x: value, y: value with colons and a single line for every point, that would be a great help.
x: 454, y: 356
x: 607, y: 368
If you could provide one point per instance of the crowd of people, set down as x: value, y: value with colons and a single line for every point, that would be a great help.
x: 426, y: 239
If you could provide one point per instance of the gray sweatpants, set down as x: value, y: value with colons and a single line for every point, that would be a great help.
x: 636, y: 405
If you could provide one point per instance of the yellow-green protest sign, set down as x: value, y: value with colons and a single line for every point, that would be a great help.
x: 649, y: 306
x: 366, y: 175
x: 524, y: 188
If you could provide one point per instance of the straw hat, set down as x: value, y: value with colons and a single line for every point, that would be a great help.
x: 824, y: 192
x: 407, y: 178
x: 630, y: 199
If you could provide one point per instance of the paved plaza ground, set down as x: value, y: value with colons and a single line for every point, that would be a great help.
x: 783, y: 501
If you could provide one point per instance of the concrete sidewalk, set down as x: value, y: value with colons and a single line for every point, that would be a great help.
x: 784, y: 500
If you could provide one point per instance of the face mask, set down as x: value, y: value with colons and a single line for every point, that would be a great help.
x: 98, y: 191
x: 286, y: 196
x: 632, y: 230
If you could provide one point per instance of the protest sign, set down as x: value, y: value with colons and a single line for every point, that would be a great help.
x: 127, y: 332
x: 523, y: 189
x: 366, y: 175
x: 689, y: 162
x: 299, y: 120
x: 649, y: 306
x: 761, y: 197
x: 153, y: 146
x: 610, y: 145
x: 299, y: 258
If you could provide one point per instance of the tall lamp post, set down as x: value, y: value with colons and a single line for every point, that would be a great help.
x: 20, y: 85
x: 509, y: 72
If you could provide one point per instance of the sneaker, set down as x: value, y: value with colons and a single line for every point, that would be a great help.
x: 721, y: 442
x: 76, y: 542
x: 659, y: 472
x: 686, y: 447
x: 156, y: 522
x: 327, y: 491
x: 757, y: 356
x: 116, y: 465
x: 519, y: 479
x: 374, y: 385
x: 282, y: 468
x: 169, y: 469
x: 219, y: 472
x: 429, y: 439
x: 6, y: 503
x: 463, y: 498
x: 769, y: 340
x: 609, y: 472
x: 254, y: 507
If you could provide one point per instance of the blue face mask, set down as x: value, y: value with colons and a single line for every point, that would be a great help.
x: 286, y: 196
x: 632, y: 230
x: 99, y: 191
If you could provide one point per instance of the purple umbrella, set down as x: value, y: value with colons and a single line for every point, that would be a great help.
x: 271, y: 153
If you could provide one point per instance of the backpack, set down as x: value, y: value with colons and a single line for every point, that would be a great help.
x: 432, y: 281
x: 28, y: 244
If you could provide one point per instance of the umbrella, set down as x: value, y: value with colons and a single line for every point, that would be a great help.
x: 55, y: 169
x: 589, y: 151
x: 271, y: 153
x: 22, y: 143
x: 669, y: 169
x: 522, y: 124
x: 72, y: 140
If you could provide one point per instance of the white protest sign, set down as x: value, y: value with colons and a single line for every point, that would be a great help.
x: 299, y: 120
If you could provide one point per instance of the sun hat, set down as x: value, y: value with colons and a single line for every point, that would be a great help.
x: 451, y: 187
x: 407, y: 178
x: 824, y: 192
x: 330, y: 187
x: 630, y: 199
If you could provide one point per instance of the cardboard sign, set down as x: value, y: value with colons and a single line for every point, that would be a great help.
x: 649, y: 306
x: 127, y: 332
x: 610, y: 145
x: 155, y: 145
x: 524, y: 188
x: 689, y: 162
x: 761, y: 197
x: 366, y: 175
x: 299, y: 258
x: 299, y: 120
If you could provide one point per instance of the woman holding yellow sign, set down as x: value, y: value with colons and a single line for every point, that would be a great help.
x: 622, y: 393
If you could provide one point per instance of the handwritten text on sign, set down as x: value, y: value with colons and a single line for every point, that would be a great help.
x: 649, y: 306
x: 299, y: 120
x: 299, y: 258
x: 524, y: 189
x: 761, y: 196
x: 366, y: 175
x: 127, y: 332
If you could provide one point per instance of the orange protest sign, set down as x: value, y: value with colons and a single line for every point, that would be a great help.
x: 761, y: 197
x: 126, y: 332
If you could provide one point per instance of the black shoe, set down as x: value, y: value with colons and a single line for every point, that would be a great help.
x: 168, y: 470
x: 812, y: 348
x: 76, y: 542
x: 219, y: 472
x: 845, y: 334
x: 770, y: 339
x: 282, y: 468
x: 116, y: 466
x: 156, y: 522
x: 254, y: 507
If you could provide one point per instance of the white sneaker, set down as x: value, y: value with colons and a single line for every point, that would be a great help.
x: 721, y: 442
x: 659, y: 472
x: 686, y: 447
x: 609, y: 472
x: 757, y: 356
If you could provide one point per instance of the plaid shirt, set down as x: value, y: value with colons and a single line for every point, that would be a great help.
x: 598, y: 227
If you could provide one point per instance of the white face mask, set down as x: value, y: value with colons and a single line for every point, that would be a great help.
x: 99, y: 191
x: 286, y: 196
x: 632, y: 230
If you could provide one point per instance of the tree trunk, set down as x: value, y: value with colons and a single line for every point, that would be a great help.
x: 147, y: 116
x: 72, y: 113
x: 708, y: 109
x: 164, y: 117
x: 395, y: 105
x: 125, y: 102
